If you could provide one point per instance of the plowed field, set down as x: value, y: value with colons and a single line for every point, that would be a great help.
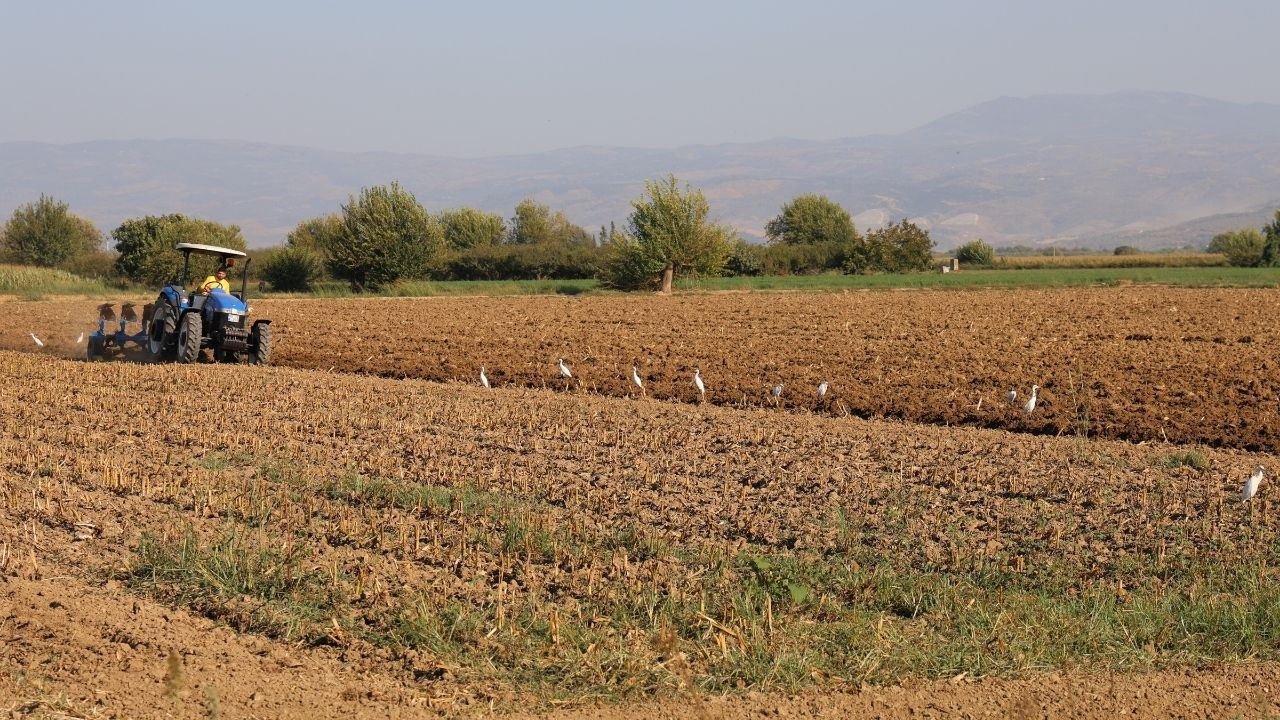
x: 379, y: 546
x: 1135, y: 363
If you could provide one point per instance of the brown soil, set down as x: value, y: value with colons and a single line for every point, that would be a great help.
x: 75, y: 649
x: 1137, y: 363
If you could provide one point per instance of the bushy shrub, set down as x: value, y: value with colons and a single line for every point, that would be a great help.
x: 543, y: 261
x: 1126, y: 250
x: 806, y: 259
x: 745, y: 259
x: 975, y: 253
x: 1243, y: 248
x: 99, y: 265
x: 293, y: 269
x: 895, y: 248
x: 628, y: 265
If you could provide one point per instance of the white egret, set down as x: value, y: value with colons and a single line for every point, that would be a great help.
x: 822, y: 392
x: 39, y: 342
x: 697, y: 382
x: 80, y: 339
x: 1031, y: 404
x: 1013, y: 397
x: 635, y: 377
x: 484, y: 379
x: 1251, y: 485
x: 564, y: 370
x: 776, y: 393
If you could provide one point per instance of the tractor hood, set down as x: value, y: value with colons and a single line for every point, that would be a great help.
x: 219, y: 301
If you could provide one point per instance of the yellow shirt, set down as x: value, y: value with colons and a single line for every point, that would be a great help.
x: 211, y: 283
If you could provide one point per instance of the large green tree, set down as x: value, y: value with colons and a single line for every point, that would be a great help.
x: 534, y: 224
x: 810, y: 219
x: 45, y: 233
x: 386, y: 235
x: 1271, y: 242
x: 146, y: 246
x: 669, y: 233
x: 468, y: 227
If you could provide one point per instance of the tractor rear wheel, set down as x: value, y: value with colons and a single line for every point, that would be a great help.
x: 260, y: 344
x: 163, y: 327
x: 189, y: 333
x: 94, y: 350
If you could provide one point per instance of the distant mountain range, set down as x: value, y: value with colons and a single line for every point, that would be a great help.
x: 1139, y: 168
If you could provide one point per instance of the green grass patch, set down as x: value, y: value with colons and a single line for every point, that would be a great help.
x: 1212, y: 276
x: 1111, y: 260
x: 217, y: 460
x: 773, y: 624
x: 449, y: 288
x: 1190, y: 458
x: 411, y: 496
x: 996, y: 277
x: 240, y: 576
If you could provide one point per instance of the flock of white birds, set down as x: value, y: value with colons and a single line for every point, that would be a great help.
x: 1248, y: 493
x: 1028, y: 407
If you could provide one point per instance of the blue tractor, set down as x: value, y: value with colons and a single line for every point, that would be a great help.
x: 182, y: 323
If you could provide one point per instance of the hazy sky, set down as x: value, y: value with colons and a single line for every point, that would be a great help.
x: 483, y: 78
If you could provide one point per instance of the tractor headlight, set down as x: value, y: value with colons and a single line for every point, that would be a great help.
x: 233, y: 317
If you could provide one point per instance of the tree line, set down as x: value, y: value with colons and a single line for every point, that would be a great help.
x: 384, y: 235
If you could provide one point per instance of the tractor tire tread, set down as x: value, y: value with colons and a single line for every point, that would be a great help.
x: 191, y: 331
x: 260, y: 353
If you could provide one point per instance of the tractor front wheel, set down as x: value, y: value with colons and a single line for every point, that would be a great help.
x: 189, y: 333
x: 260, y: 344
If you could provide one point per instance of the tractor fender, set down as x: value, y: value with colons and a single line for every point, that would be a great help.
x: 173, y: 296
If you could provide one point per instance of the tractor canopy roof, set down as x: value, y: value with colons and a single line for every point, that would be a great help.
x: 209, y: 250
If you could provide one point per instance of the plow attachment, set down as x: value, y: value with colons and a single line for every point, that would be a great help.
x: 105, y: 345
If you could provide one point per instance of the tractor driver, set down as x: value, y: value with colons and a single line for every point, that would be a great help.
x: 217, y: 281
